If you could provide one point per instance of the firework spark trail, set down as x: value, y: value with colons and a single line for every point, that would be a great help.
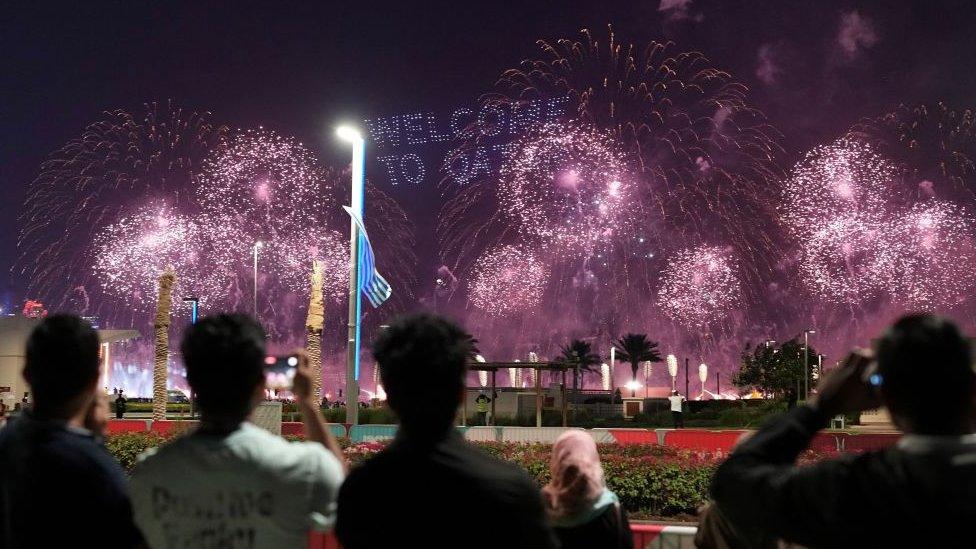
x: 130, y: 253
x: 932, y: 256
x: 934, y: 143
x: 566, y: 187
x: 121, y: 161
x: 270, y: 188
x: 293, y: 253
x: 835, y: 207
x: 700, y: 164
x: 90, y: 214
x: 508, y: 280
x: 863, y: 235
x: 700, y: 286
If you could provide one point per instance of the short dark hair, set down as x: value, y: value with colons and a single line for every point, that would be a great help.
x: 422, y: 360
x: 61, y: 360
x: 224, y: 357
x: 929, y: 345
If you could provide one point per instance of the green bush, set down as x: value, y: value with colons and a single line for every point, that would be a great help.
x: 649, y: 479
x: 127, y: 447
x: 147, y: 407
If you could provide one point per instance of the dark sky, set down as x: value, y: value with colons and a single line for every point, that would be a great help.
x: 298, y: 67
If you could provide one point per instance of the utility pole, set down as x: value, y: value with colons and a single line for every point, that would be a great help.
x: 686, y: 378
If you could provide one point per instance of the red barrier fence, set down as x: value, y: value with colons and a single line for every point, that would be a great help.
x: 634, y: 436
x: 644, y: 535
x: 701, y: 439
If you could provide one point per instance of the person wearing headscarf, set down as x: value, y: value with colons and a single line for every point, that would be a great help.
x: 581, y: 509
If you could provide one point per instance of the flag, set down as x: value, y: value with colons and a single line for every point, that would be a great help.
x: 371, y: 283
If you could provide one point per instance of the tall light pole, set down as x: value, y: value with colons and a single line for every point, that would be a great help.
x: 257, y: 246
x: 353, y: 137
x: 806, y: 365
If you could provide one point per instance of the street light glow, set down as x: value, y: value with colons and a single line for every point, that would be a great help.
x: 348, y: 133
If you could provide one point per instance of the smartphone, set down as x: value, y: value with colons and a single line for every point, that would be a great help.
x: 279, y: 371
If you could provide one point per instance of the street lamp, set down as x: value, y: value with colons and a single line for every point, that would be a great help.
x: 673, y: 370
x: 257, y: 246
x: 355, y: 138
x: 633, y: 386
x: 806, y: 360
x: 648, y: 370
x: 194, y: 308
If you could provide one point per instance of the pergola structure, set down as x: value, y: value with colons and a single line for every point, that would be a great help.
x: 493, y: 367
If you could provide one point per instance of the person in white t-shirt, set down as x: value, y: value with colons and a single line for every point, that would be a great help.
x: 677, y: 402
x: 231, y: 483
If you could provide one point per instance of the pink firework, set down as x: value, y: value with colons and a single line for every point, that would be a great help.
x: 566, y: 186
x: 508, y: 280
x: 863, y: 235
x: 264, y: 183
x: 700, y: 285
x: 269, y: 188
x: 930, y: 257
x: 837, y: 206
x: 131, y: 253
x: 294, y: 256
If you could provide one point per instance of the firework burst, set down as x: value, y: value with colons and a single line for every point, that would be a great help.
x: 863, y: 234
x: 695, y: 159
x: 508, y: 280
x: 700, y: 286
x: 121, y: 162
x: 131, y: 253
x: 567, y: 188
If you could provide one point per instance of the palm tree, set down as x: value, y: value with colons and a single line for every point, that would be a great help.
x: 313, y: 330
x: 580, y: 354
x: 161, y: 328
x: 636, y: 348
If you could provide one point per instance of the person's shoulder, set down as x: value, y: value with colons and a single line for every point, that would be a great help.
x: 277, y: 455
x: 483, y: 465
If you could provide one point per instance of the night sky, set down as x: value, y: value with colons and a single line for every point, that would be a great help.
x: 813, y: 67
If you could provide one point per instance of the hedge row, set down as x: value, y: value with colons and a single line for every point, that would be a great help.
x: 649, y: 479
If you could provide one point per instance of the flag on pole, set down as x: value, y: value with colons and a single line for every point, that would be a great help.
x: 371, y: 284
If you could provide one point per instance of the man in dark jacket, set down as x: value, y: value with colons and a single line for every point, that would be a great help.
x: 429, y: 486
x: 58, y: 484
x: 918, y: 493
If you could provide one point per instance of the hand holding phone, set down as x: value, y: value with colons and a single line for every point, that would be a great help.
x: 853, y: 387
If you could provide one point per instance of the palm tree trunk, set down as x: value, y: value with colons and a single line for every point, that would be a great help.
x: 164, y: 302
x: 313, y: 330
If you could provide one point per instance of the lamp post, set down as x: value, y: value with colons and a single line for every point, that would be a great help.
x: 353, y: 137
x: 806, y: 361
x: 257, y: 246
x: 194, y: 308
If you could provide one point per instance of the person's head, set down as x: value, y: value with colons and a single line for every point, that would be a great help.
x: 916, y: 351
x: 422, y: 365
x: 577, y: 476
x: 62, y: 365
x: 675, y: 393
x: 224, y: 357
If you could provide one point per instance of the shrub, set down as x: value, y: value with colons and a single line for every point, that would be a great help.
x: 127, y: 447
x: 649, y: 479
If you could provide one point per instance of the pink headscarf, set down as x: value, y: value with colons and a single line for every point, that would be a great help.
x: 577, y: 477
